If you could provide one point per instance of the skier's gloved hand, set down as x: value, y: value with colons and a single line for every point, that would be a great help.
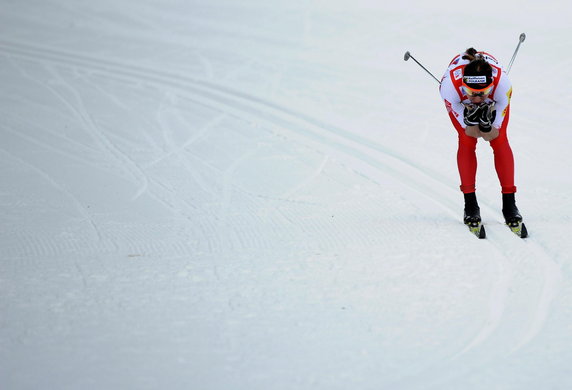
x: 486, y: 117
x: 471, y: 115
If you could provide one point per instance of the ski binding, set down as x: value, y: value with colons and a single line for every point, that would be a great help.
x: 518, y: 228
x: 477, y: 228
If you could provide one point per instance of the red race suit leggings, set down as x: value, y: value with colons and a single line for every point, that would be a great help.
x: 467, y: 158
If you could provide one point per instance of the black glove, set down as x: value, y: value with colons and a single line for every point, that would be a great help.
x: 486, y: 117
x: 471, y: 115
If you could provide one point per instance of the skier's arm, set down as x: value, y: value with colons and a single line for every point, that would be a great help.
x: 452, y: 101
x: 502, y: 97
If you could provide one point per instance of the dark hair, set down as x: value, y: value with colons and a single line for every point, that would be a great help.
x: 477, y: 66
x: 470, y: 54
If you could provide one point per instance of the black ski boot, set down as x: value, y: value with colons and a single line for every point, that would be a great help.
x: 472, y: 215
x: 512, y: 216
x: 509, y: 210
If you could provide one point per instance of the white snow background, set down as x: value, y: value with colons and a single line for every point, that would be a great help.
x: 262, y: 194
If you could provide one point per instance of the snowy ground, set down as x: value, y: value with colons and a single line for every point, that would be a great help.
x: 262, y: 194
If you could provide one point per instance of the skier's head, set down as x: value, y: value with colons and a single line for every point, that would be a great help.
x: 477, y: 75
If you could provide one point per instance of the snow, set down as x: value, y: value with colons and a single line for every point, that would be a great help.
x: 262, y: 194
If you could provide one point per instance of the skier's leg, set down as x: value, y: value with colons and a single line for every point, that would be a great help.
x: 466, y: 158
x: 504, y: 159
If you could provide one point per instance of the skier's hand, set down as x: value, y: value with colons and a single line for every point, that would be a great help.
x: 471, y: 115
x: 485, y: 117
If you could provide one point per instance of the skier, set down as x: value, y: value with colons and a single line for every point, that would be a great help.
x: 477, y: 95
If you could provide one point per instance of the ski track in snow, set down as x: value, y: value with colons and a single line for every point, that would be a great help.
x: 40, y: 247
x: 551, y: 283
x: 78, y: 107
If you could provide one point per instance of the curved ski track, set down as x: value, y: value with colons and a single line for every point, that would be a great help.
x: 358, y: 149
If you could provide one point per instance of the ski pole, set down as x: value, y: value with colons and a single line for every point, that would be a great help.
x: 408, y: 56
x: 520, y: 40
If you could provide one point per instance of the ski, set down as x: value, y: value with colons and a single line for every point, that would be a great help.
x: 477, y: 229
x: 518, y: 228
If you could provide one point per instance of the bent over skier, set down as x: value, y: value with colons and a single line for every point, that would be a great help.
x: 477, y: 95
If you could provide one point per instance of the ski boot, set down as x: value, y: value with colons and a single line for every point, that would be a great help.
x: 512, y: 216
x: 472, y: 212
x: 472, y: 215
x: 509, y: 209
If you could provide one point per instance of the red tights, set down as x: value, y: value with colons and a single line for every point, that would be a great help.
x: 467, y: 159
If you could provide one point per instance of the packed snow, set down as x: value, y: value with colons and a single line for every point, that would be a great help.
x: 263, y: 194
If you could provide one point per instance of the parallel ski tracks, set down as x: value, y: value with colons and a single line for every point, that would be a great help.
x: 364, y: 152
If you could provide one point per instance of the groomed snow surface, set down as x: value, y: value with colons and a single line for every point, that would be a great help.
x: 262, y: 194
